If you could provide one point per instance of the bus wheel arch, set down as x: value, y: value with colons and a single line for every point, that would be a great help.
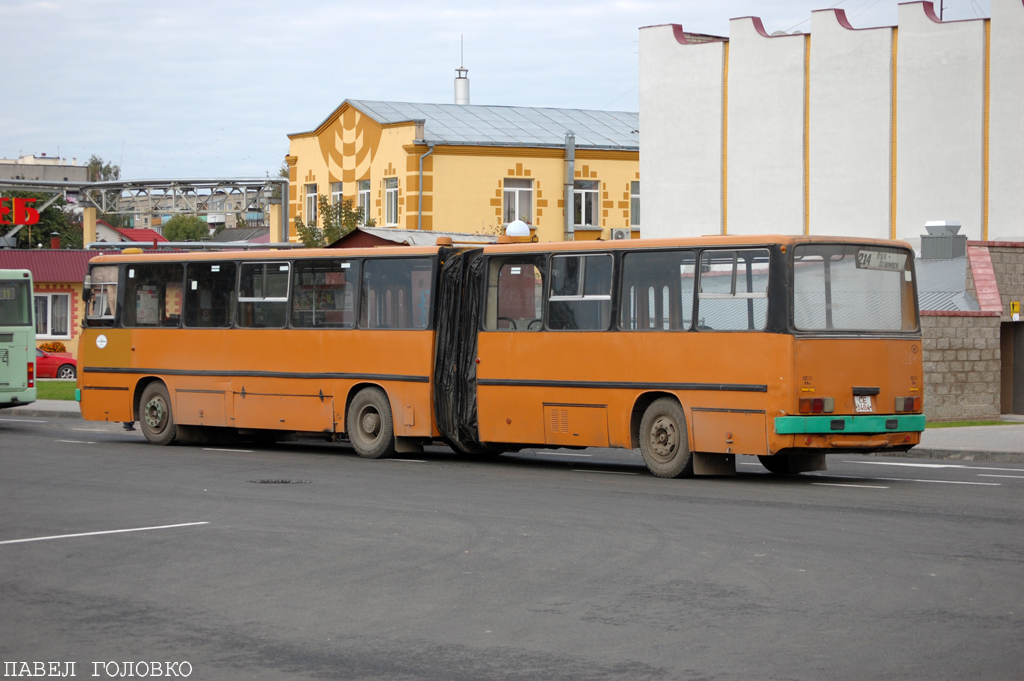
x: 156, y: 415
x: 369, y: 421
x: 665, y: 439
x: 639, y: 407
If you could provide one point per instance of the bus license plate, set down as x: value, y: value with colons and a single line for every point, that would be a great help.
x: 862, y: 404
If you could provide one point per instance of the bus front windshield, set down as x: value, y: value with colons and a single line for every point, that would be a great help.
x: 853, y: 288
x: 15, y: 302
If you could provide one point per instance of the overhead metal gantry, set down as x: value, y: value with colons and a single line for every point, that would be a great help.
x: 170, y: 197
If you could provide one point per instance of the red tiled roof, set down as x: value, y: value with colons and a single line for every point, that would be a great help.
x: 139, y: 234
x: 49, y: 266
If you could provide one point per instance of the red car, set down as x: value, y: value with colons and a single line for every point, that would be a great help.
x: 55, y: 364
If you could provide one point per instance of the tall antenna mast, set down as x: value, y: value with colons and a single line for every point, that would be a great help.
x: 461, y: 81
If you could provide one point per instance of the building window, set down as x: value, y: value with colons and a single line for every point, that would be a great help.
x: 336, y: 193
x: 391, y: 201
x: 311, y: 204
x: 52, y: 315
x: 634, y: 204
x: 518, y: 200
x: 364, y: 201
x: 584, y: 203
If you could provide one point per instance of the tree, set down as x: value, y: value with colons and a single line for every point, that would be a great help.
x: 186, y: 228
x: 336, y: 221
x: 54, y: 219
x: 99, y: 171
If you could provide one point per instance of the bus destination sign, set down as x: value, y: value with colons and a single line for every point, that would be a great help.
x: 881, y: 260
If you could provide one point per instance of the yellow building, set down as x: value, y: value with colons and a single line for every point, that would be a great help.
x: 481, y: 168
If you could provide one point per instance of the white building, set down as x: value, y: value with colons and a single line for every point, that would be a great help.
x: 840, y: 131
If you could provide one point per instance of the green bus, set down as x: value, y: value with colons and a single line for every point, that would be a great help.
x: 17, y: 339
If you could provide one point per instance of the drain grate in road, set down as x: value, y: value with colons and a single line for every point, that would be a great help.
x: 281, y: 482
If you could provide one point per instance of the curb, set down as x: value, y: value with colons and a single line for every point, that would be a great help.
x: 958, y: 455
x: 38, y: 413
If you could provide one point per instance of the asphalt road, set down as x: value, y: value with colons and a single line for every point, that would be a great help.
x: 564, y: 565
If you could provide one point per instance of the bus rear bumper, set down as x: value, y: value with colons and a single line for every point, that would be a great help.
x: 883, y: 424
x: 849, y: 434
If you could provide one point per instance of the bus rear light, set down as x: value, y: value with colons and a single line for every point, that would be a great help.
x: 908, y: 403
x: 31, y: 374
x: 817, y: 405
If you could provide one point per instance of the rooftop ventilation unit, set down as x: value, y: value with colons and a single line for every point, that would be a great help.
x: 942, y: 242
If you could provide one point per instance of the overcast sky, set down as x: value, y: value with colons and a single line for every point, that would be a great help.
x: 192, y: 89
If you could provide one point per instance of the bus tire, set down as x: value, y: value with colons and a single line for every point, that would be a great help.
x: 664, y: 441
x: 155, y: 415
x: 370, y: 426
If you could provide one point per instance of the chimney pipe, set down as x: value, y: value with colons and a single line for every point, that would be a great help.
x: 55, y: 240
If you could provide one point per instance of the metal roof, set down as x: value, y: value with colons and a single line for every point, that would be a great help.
x: 517, y: 126
x: 241, y: 234
x: 942, y: 285
x: 420, y: 237
x: 138, y: 234
x: 61, y: 266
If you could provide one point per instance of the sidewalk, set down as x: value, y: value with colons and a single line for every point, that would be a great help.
x: 976, y: 443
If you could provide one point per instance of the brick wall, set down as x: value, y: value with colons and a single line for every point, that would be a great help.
x: 1008, y: 265
x: 961, y: 365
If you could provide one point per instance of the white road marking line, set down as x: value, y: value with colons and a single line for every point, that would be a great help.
x: 76, y: 442
x: 22, y: 421
x: 840, y: 484
x: 561, y: 454
x: 93, y: 534
x: 583, y: 470
x: 240, y: 451
x: 748, y: 464
x: 942, y: 482
x: 986, y: 475
x: 92, y: 430
x: 937, y: 465
x: 408, y: 460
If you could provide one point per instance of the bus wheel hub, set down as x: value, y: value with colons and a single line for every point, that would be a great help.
x: 154, y: 413
x: 371, y: 423
x: 663, y: 437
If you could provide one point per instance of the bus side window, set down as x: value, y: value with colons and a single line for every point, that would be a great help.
x: 324, y: 293
x: 209, y: 289
x: 515, y: 293
x: 263, y: 295
x: 396, y: 293
x: 102, y: 305
x: 581, y: 292
x: 657, y: 291
x: 733, y: 290
x: 153, y: 295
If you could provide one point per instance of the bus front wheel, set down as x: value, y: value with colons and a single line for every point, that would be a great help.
x: 664, y: 442
x: 155, y: 415
x: 370, y: 426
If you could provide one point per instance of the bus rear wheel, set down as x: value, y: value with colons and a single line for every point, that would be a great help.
x: 155, y: 415
x: 369, y: 424
x: 664, y: 442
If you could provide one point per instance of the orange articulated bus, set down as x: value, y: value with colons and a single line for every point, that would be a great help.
x: 693, y: 350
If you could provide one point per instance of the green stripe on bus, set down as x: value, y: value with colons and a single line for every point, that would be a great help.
x: 790, y: 425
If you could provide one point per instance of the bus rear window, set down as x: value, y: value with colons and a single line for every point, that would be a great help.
x: 102, y: 305
x: 850, y: 287
x: 15, y: 301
